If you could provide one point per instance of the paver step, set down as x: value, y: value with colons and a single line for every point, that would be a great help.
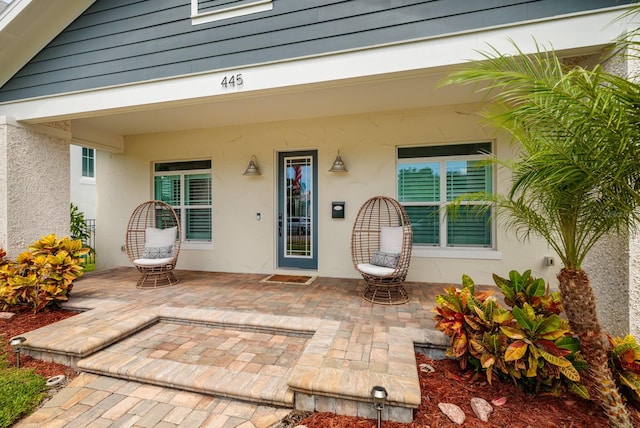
x: 216, y: 381
x: 228, y: 362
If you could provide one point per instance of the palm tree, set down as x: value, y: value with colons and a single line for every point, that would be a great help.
x: 577, y: 176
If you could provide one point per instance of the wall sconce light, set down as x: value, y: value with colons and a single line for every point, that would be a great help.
x: 15, y: 343
x: 338, y: 165
x: 253, y: 168
x: 379, y: 395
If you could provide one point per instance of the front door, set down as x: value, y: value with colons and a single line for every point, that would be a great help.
x: 297, y: 223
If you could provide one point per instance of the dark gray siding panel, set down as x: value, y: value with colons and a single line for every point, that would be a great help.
x: 124, y: 41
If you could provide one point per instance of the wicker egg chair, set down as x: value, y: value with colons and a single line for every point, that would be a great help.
x: 152, y: 243
x: 381, y: 244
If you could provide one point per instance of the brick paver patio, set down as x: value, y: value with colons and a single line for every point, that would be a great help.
x: 218, y: 337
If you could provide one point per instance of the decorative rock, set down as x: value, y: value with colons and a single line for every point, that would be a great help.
x: 6, y: 315
x: 453, y: 412
x: 481, y: 408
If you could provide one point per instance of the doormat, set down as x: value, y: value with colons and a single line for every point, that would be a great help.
x: 290, y: 279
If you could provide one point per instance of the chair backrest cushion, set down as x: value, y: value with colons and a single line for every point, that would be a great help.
x: 391, y: 239
x: 158, y: 243
x: 160, y: 237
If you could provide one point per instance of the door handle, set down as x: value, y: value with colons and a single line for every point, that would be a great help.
x: 279, y: 224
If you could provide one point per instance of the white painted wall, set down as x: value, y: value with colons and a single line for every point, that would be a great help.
x: 83, y: 189
x: 367, y: 144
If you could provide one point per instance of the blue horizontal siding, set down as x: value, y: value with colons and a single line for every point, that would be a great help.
x: 124, y: 41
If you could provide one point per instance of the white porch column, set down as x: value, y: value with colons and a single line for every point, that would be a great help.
x: 34, y: 183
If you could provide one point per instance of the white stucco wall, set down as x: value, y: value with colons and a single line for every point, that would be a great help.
x: 633, y: 65
x: 37, y: 191
x: 634, y: 285
x: 3, y: 186
x: 608, y: 267
x: 367, y: 144
x: 612, y: 264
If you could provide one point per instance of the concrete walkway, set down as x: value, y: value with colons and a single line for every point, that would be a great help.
x: 228, y: 350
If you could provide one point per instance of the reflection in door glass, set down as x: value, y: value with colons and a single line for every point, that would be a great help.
x: 298, y: 208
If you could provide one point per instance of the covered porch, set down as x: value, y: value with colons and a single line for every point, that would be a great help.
x: 315, y: 346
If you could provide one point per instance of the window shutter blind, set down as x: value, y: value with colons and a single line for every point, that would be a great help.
x: 198, y: 223
x: 467, y: 177
x: 419, y: 182
x: 425, y: 224
x: 167, y: 189
x: 198, y: 189
x: 471, y: 228
x: 198, y: 192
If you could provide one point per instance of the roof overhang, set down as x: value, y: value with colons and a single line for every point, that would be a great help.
x: 27, y: 26
x: 381, y: 78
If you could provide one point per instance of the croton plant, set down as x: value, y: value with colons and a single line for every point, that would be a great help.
x: 529, y: 343
x: 43, y: 275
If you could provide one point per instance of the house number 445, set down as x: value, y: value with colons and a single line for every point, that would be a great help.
x: 234, y: 80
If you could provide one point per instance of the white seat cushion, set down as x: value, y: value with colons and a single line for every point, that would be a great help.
x: 153, y: 262
x: 375, y: 270
x: 391, y: 239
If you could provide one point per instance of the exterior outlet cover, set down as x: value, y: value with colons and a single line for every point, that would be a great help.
x: 549, y: 261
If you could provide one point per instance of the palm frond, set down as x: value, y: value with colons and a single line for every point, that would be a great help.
x: 576, y: 177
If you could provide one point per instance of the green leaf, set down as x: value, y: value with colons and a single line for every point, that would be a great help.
x: 516, y: 281
x: 579, y: 389
x: 505, y: 286
x: 549, y: 325
x: 537, y: 288
x: 467, y: 282
x: 521, y: 317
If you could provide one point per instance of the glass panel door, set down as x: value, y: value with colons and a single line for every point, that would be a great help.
x: 297, y: 210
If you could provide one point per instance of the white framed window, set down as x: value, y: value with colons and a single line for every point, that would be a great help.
x: 429, y: 178
x: 88, y: 163
x: 203, y: 11
x: 186, y: 186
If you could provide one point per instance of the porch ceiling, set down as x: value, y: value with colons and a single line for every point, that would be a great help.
x: 350, y: 96
x: 375, y: 93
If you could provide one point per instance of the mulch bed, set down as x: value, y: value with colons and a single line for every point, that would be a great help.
x: 448, y: 384
x: 24, y: 321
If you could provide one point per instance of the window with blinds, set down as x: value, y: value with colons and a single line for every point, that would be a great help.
x: 432, y: 176
x: 186, y: 186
